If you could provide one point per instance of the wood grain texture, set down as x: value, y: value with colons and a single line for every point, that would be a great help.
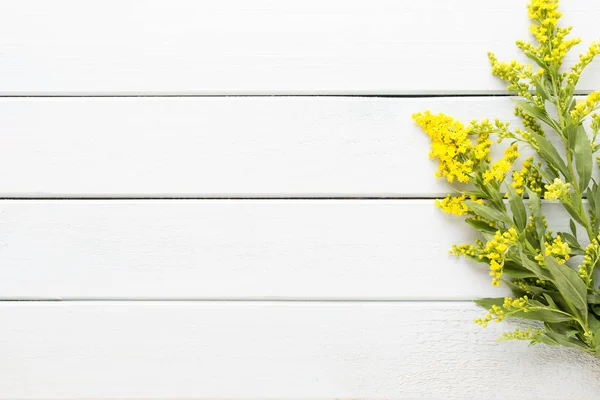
x: 210, y: 147
x: 246, y: 249
x: 163, y: 350
x: 264, y: 46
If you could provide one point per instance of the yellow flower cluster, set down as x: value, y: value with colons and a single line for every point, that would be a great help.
x: 559, y: 250
x: 546, y: 13
x: 494, y: 251
x: 528, y: 334
x: 529, y: 122
x: 595, y: 125
x: 456, y: 204
x: 497, y: 313
x: 557, y: 190
x: 586, y: 107
x: 590, y: 259
x: 560, y: 47
x: 514, y: 73
x: 466, y: 250
x: 501, y: 167
x: 527, y: 176
x: 584, y: 60
x: 450, y: 144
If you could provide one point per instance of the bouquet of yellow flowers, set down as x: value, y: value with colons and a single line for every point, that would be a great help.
x: 552, y: 275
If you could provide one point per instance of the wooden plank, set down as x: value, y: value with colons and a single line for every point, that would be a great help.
x: 69, y: 47
x: 276, y: 350
x: 247, y: 249
x: 211, y: 147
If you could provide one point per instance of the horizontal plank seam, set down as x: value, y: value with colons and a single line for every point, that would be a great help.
x: 271, y: 198
x: 224, y: 300
x: 374, y: 95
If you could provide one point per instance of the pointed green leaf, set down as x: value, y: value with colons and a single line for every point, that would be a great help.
x: 564, y: 340
x: 536, y: 212
x: 546, y: 315
x: 488, y: 302
x: 573, y: 212
x: 570, y: 285
x: 593, y: 298
x: 583, y: 158
x: 551, y: 156
x: 573, y: 228
x: 550, y: 301
x: 517, y: 207
x: 487, y: 213
x: 540, y: 88
x: 597, y: 207
x: 481, y: 226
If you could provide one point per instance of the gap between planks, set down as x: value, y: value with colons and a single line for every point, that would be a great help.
x: 423, y: 95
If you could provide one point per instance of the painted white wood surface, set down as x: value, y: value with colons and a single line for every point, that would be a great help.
x: 242, y: 249
x: 171, y: 350
x: 265, y: 46
x: 207, y: 147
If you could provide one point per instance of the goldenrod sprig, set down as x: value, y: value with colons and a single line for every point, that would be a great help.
x: 505, y: 203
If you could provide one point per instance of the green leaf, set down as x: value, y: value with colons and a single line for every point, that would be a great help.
x: 597, y: 207
x: 481, y: 226
x: 488, y: 302
x: 536, y: 60
x: 551, y: 156
x: 583, y: 158
x: 548, y: 340
x: 573, y: 229
x: 517, y: 207
x: 593, y: 298
x: 516, y: 271
x: 570, y: 285
x: 590, y: 197
x: 536, y: 211
x: 594, y: 324
x: 546, y: 315
x: 487, y: 213
x: 573, y: 212
x: 550, y: 301
x: 540, y: 88
x: 563, y: 339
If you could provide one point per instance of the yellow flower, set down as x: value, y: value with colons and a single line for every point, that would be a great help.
x: 528, y: 334
x: 527, y: 176
x: 453, y: 205
x: 510, y: 306
x: 456, y: 204
x: 495, y: 251
x: 590, y: 259
x: 586, y: 107
x: 584, y: 61
x: 501, y: 167
x: 557, y: 190
x: 450, y: 144
x: 559, y: 250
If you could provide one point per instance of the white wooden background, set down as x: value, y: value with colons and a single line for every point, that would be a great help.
x: 160, y: 238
